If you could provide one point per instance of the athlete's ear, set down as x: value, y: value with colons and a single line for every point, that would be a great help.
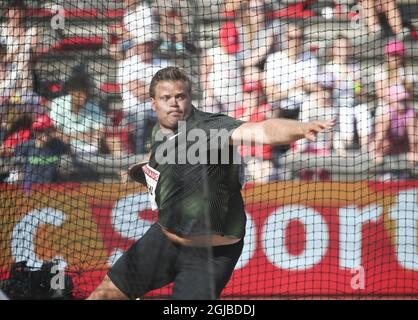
x: 153, y: 104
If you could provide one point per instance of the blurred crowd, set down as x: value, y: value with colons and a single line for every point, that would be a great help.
x: 258, y: 69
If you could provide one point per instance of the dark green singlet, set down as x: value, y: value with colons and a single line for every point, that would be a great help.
x: 199, y: 198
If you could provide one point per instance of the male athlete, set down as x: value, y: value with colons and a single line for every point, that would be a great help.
x: 198, y: 237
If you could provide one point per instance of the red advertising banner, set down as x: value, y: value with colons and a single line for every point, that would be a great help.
x: 302, y: 238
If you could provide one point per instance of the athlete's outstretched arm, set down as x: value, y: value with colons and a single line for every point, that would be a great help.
x: 279, y: 131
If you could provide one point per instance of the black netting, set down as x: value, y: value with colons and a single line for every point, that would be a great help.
x: 334, y: 217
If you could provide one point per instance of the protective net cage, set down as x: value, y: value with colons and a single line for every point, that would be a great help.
x: 334, y: 217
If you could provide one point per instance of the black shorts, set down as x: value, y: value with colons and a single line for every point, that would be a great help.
x: 154, y: 261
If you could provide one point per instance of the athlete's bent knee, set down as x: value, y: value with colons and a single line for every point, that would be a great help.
x: 107, y: 291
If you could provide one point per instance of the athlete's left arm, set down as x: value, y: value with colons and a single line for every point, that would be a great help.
x: 279, y: 131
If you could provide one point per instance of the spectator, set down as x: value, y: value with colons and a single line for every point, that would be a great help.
x: 117, y: 136
x: 9, y: 76
x: 3, y: 123
x: 394, y: 72
x: 254, y: 108
x: 232, y: 7
x: 19, y: 42
x: 134, y: 75
x: 395, y: 130
x: 79, y: 119
x: 42, y: 152
x: 138, y: 21
x: 346, y: 85
x: 370, y: 11
x: 174, y: 17
x: 6, y: 87
x: 221, y: 74
x: 16, y: 125
x: 317, y: 106
x: 258, y: 38
x: 290, y: 74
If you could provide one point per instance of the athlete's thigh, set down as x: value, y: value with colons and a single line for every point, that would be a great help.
x: 147, y: 265
x: 203, y: 274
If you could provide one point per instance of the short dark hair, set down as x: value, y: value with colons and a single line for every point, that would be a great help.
x: 169, y: 74
x: 78, y: 83
x: 19, y: 4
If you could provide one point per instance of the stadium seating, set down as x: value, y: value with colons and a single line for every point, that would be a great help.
x: 85, y: 38
x: 68, y: 13
x: 110, y: 88
x: 113, y: 13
